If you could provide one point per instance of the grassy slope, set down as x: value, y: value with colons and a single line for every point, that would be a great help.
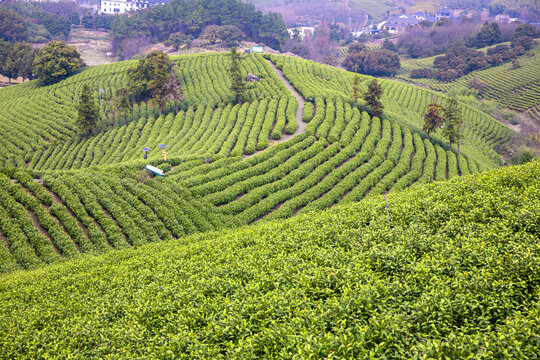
x: 456, y: 275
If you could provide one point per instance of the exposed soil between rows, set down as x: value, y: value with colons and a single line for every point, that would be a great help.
x: 6, y: 241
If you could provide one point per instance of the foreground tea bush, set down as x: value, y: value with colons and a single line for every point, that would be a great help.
x: 456, y: 275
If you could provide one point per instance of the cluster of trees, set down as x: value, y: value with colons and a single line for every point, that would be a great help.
x: 16, y: 60
x: 97, y: 21
x: 382, y: 62
x: 177, y: 40
x: 52, y: 63
x: 153, y: 79
x: 228, y: 35
x: 12, y: 26
x: 434, y: 39
x: 191, y: 17
x: 461, y: 60
x: 39, y: 22
x: 428, y: 40
x: 320, y: 47
x: 448, y: 117
x: 523, y: 9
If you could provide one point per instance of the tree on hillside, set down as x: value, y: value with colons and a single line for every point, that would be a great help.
x: 524, y: 42
x: 160, y: 68
x: 489, y: 34
x: 433, y: 118
x: 526, y: 30
x: 389, y: 45
x: 19, y: 61
x: 88, y: 113
x: 12, y: 26
x: 238, y: 83
x: 26, y: 57
x: 356, y: 47
x: 229, y: 35
x: 177, y: 40
x: 453, y: 123
x: 174, y: 88
x: 373, y: 98
x: 121, y: 105
x: 148, y: 69
x: 5, y: 49
x: 56, y: 61
x: 356, y: 90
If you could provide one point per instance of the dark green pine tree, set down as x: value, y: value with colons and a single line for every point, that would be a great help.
x: 88, y: 113
x: 238, y: 83
x: 373, y: 98
x: 160, y: 68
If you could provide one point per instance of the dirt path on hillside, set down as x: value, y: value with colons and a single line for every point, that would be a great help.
x: 301, y: 125
x: 301, y: 102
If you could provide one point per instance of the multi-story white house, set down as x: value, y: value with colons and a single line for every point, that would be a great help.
x: 123, y: 6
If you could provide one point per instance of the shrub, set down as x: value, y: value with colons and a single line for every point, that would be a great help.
x: 422, y: 73
x: 476, y: 84
x: 522, y: 157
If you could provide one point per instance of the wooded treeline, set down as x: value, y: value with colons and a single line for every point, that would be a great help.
x: 192, y: 16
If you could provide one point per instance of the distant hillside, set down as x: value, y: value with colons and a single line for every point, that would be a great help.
x: 340, y: 10
x: 515, y: 87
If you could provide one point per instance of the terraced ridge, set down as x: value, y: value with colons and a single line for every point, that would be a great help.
x: 403, y: 103
x: 344, y: 156
x: 89, y: 196
x: 38, y: 120
x: 206, y: 131
x: 65, y: 216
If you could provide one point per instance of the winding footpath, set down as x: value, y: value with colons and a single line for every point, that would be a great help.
x: 301, y: 102
x: 301, y: 125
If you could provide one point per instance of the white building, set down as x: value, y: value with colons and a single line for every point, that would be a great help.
x: 123, y: 6
x: 303, y: 31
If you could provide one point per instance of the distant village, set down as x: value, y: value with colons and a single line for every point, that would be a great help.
x: 393, y: 25
x: 397, y: 24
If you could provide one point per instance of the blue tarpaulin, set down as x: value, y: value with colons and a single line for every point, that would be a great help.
x: 154, y: 170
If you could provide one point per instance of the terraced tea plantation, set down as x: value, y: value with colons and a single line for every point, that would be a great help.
x: 268, y: 236
x: 455, y: 275
x: 515, y: 88
x: 228, y: 165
